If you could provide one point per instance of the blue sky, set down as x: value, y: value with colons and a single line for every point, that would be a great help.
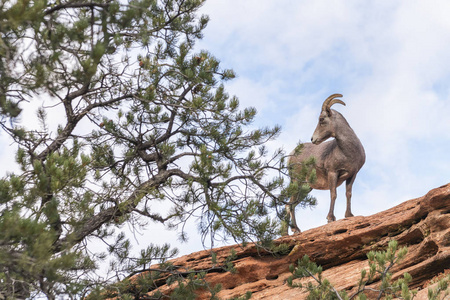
x: 390, y: 60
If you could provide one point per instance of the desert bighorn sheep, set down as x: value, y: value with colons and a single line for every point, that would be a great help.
x: 336, y: 161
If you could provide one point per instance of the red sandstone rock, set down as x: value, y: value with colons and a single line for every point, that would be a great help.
x: 422, y: 224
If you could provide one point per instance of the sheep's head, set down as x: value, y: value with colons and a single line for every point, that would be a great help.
x: 326, y: 127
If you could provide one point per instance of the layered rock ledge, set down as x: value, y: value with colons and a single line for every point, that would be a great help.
x: 422, y: 224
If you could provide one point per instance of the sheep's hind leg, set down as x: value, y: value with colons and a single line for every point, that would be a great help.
x: 290, y: 211
x: 348, y: 193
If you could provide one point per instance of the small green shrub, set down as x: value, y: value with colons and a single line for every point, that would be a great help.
x: 380, y: 265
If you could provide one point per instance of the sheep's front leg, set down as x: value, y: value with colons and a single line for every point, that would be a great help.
x: 332, y: 182
x: 348, y: 193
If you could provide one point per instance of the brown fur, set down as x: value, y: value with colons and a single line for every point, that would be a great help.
x: 337, y: 160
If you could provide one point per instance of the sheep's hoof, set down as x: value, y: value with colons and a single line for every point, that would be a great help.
x: 295, y: 231
x: 331, y: 218
x: 348, y: 215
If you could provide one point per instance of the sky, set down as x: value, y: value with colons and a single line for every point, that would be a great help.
x: 389, y: 59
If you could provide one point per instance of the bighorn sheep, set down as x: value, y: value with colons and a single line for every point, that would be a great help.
x: 336, y: 161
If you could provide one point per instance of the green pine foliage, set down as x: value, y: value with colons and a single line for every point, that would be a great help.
x: 441, y: 291
x: 380, y: 265
x: 133, y: 126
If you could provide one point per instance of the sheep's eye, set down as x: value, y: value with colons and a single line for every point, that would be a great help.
x: 322, y: 121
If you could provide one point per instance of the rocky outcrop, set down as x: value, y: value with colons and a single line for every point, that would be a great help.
x: 422, y: 224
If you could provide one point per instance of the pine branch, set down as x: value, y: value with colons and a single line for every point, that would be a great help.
x: 105, y: 216
x: 75, y: 5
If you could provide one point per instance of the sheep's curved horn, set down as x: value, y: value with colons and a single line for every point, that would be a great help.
x: 330, y: 101
x: 334, y: 101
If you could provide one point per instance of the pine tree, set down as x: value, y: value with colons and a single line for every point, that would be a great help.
x: 146, y: 120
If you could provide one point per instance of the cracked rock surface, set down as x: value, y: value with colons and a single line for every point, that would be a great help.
x: 422, y: 224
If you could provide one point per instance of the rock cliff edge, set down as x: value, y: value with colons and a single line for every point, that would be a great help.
x: 422, y: 224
